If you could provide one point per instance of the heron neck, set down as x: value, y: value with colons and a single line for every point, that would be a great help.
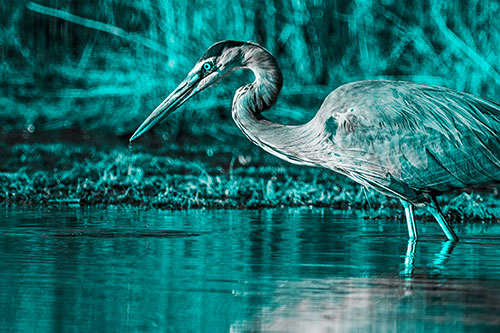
x: 291, y: 143
x: 263, y: 92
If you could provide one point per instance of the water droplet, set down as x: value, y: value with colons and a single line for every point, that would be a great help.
x: 130, y: 145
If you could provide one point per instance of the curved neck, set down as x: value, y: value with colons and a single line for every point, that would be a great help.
x: 291, y: 143
x: 263, y: 92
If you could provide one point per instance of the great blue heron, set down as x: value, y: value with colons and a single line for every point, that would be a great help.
x: 407, y: 140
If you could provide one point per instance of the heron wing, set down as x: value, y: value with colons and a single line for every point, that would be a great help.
x: 404, y: 138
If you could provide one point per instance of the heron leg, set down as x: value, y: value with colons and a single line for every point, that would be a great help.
x: 434, y: 209
x: 410, y: 219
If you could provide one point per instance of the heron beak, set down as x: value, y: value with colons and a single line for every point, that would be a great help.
x: 179, y: 96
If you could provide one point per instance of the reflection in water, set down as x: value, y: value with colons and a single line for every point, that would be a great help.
x: 441, y: 258
x: 445, y: 254
x: 284, y: 270
x: 376, y: 304
x: 410, y: 257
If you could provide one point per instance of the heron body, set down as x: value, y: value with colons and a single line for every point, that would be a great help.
x: 407, y: 140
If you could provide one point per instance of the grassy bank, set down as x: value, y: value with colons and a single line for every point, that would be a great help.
x: 173, y: 176
x: 187, y: 174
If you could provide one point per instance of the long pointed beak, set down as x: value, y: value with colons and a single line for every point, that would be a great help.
x: 179, y: 96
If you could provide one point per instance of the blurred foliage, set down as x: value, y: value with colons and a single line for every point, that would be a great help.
x: 105, y: 64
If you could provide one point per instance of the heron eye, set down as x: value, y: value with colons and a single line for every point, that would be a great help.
x: 207, y: 66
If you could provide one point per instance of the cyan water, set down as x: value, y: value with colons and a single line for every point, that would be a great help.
x: 75, y: 269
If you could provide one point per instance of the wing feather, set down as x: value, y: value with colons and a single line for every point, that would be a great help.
x: 423, y: 138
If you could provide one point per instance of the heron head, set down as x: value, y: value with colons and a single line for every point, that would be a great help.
x: 219, y: 60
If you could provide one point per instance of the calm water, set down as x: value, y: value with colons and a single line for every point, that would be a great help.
x: 282, y: 270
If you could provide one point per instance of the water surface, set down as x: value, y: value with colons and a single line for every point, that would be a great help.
x: 70, y: 269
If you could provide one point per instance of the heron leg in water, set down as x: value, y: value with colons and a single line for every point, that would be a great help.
x: 434, y: 209
x: 410, y: 220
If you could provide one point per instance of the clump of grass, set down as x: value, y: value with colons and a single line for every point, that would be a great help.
x: 45, y: 173
x: 467, y: 205
x: 189, y: 176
